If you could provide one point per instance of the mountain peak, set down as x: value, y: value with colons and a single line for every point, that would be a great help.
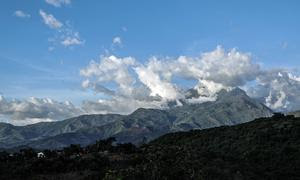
x: 231, y: 93
x: 193, y: 93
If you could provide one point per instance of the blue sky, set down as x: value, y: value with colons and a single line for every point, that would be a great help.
x: 33, y: 65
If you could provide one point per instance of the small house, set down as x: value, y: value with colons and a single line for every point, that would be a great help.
x: 40, y: 155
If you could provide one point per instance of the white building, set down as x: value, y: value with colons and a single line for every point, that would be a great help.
x: 40, y: 155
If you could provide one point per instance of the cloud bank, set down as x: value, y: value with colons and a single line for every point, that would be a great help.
x: 35, y: 110
x: 129, y: 84
x: 125, y: 84
x: 279, y: 88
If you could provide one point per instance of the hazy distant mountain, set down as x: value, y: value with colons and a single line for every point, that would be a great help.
x: 230, y: 108
x: 295, y: 113
x: 233, y: 107
x: 19, y: 135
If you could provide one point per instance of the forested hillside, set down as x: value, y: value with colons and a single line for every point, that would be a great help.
x: 266, y: 148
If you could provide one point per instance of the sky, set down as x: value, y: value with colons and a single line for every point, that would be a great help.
x: 62, y: 58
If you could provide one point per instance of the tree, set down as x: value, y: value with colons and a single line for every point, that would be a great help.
x: 72, y: 149
x: 28, y: 153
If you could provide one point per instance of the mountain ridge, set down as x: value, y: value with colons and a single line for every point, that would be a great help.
x: 230, y: 108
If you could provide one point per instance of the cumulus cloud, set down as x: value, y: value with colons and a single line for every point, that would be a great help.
x: 126, y: 84
x: 157, y: 86
x: 280, y: 89
x: 151, y: 84
x: 117, y: 78
x: 21, y: 14
x: 111, y: 69
x: 213, y: 71
x: 34, y: 110
x: 230, y: 69
x: 50, y: 20
x: 58, y: 3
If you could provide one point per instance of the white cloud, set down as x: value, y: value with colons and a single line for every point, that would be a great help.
x: 50, y: 20
x: 230, y: 69
x: 70, y: 37
x: 208, y: 90
x: 127, y: 84
x: 217, y: 70
x: 70, y: 41
x: 213, y: 70
x: 36, y: 110
x: 279, y: 88
x: 157, y: 86
x: 21, y: 14
x: 117, y: 41
x: 111, y: 69
x: 125, y: 91
x: 152, y: 82
x: 58, y: 3
x: 279, y: 102
x: 67, y: 36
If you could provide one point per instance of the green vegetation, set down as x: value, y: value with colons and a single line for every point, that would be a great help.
x: 266, y: 148
x: 73, y: 162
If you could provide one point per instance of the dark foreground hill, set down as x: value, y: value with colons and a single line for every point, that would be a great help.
x: 230, y: 108
x: 266, y: 148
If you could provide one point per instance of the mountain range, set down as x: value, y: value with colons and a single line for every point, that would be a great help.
x: 230, y: 108
x: 265, y: 148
